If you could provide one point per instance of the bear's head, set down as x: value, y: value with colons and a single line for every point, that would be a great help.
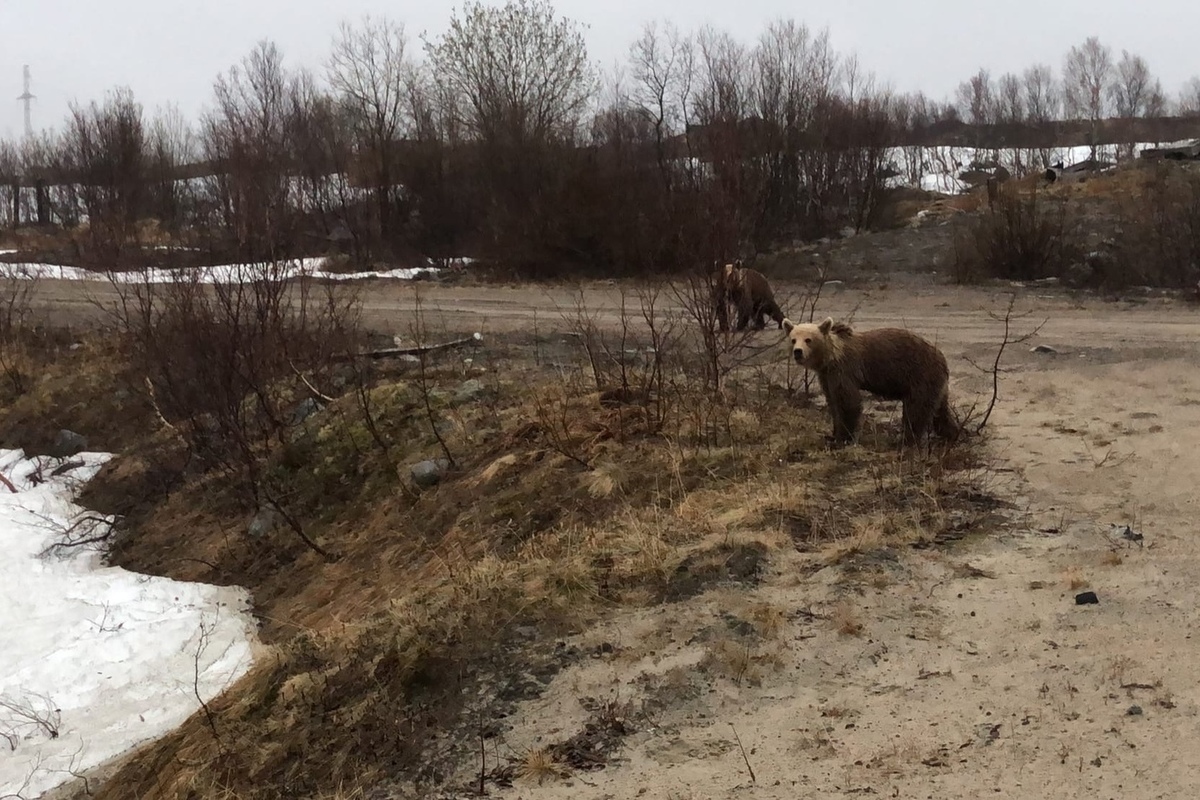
x: 734, y: 274
x: 812, y: 345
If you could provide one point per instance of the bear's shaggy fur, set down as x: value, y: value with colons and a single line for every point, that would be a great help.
x: 890, y: 363
x: 750, y: 293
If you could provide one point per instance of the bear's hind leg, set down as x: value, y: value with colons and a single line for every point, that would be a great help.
x: 945, y: 425
x: 915, y: 420
x: 776, y: 313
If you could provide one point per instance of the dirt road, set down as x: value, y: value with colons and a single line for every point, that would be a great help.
x: 976, y: 673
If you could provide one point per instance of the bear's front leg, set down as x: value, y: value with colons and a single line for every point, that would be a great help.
x: 743, y: 320
x: 845, y: 406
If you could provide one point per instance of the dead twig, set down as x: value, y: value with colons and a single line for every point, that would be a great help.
x: 745, y: 758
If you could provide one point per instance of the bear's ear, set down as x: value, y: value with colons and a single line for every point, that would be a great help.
x: 788, y: 325
x: 826, y: 325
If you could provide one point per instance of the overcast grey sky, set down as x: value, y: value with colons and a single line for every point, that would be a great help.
x: 166, y: 50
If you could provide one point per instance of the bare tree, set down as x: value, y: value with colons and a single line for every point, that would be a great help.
x: 171, y: 148
x: 1188, y: 104
x: 246, y: 136
x: 1010, y: 99
x: 976, y: 99
x: 1087, y: 75
x: 519, y: 70
x: 1043, y: 101
x: 1134, y: 91
x: 662, y: 64
x: 371, y: 73
x: 105, y: 149
x: 517, y: 79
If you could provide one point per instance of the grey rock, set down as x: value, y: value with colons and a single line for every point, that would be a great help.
x: 305, y: 410
x: 1043, y: 348
x: 469, y: 390
x: 429, y: 473
x: 263, y: 523
x: 68, y: 443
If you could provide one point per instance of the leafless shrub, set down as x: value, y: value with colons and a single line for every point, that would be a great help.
x: 17, y: 288
x: 28, y: 714
x: 418, y: 332
x: 1158, y: 243
x: 972, y: 420
x: 225, y: 362
x: 1021, y: 237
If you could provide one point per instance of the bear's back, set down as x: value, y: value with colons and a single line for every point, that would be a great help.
x: 889, y: 362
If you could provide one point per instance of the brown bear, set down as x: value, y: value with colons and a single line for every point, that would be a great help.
x: 890, y: 363
x: 750, y: 293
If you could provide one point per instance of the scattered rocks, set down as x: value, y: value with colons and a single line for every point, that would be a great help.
x: 426, y: 474
x: 1086, y: 599
x: 68, y: 443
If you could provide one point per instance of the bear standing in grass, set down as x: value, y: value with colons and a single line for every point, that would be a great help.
x: 891, y: 363
x: 750, y: 294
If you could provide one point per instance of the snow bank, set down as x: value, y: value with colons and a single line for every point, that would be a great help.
x: 105, y: 657
x: 222, y: 273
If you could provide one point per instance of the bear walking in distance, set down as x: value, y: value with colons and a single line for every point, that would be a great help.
x: 890, y: 363
x: 750, y: 293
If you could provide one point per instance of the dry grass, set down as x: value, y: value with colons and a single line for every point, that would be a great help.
x: 1112, y: 558
x: 1075, y: 580
x: 559, y: 511
x: 846, y: 619
x: 539, y: 766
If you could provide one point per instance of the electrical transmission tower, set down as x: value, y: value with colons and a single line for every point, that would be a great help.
x: 27, y: 99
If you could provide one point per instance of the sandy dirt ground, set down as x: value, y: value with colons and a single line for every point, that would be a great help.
x: 975, y: 673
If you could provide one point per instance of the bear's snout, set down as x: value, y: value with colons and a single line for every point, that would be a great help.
x: 798, y: 354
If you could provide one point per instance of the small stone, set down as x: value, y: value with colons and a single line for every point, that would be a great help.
x: 469, y: 390
x: 1134, y: 711
x: 68, y: 443
x: 1086, y: 599
x: 429, y: 473
x: 263, y: 523
x: 1042, y: 348
x: 305, y: 410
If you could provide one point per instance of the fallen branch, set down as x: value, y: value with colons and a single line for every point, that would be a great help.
x: 7, y: 483
x: 317, y: 394
x: 394, y: 352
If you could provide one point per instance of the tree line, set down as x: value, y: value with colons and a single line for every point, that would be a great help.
x: 500, y: 138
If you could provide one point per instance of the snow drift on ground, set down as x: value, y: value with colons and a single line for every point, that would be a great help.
x: 222, y: 273
x: 105, y: 657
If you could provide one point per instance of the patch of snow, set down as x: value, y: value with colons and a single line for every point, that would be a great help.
x: 221, y: 273
x: 107, y: 657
